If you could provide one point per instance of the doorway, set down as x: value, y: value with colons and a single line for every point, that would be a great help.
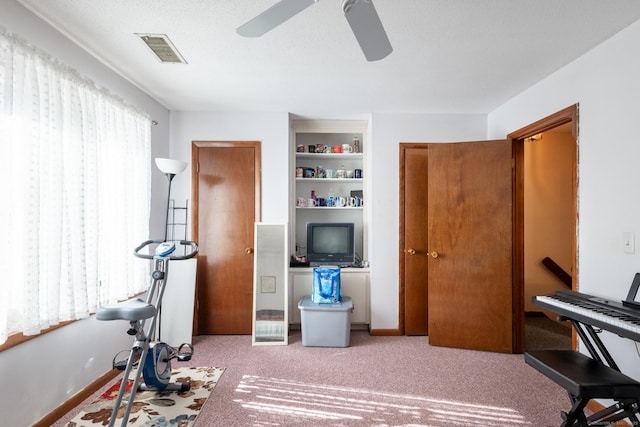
x: 549, y: 221
x: 226, y: 195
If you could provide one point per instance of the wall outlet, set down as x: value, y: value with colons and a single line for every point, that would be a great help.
x: 628, y: 242
x: 267, y: 284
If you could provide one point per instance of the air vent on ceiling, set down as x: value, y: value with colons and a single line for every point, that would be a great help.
x: 162, y: 47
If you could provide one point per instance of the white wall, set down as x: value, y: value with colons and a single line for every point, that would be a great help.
x: 271, y: 129
x: 387, y: 132
x: 43, y: 373
x: 606, y: 84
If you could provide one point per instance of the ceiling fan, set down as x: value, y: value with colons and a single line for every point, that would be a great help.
x: 361, y: 16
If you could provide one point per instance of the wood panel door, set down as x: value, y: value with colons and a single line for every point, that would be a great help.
x: 226, y: 194
x: 470, y: 236
x: 413, y: 238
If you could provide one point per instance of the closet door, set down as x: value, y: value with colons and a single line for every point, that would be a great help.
x: 226, y: 186
x: 470, y: 245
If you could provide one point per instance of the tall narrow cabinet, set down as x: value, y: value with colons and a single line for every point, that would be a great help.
x: 319, y: 174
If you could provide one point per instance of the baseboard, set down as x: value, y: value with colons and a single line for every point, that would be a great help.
x: 360, y: 327
x: 76, y: 399
x: 534, y: 314
x: 385, y: 332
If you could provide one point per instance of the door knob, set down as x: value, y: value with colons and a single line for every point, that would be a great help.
x: 434, y: 254
x: 411, y: 251
x: 249, y: 251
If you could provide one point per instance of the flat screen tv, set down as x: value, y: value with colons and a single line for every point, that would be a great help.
x: 331, y: 243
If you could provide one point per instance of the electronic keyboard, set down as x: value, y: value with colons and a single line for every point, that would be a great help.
x: 599, y: 312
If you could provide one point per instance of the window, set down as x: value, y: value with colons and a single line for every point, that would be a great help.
x: 76, y: 169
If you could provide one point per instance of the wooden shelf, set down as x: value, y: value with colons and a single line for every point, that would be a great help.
x: 330, y: 180
x: 333, y: 156
x: 339, y: 208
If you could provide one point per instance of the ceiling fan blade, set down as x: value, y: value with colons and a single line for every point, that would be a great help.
x: 272, y: 17
x: 367, y: 27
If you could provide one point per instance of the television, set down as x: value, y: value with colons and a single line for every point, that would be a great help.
x: 331, y: 243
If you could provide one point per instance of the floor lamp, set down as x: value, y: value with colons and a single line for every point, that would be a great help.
x: 170, y: 168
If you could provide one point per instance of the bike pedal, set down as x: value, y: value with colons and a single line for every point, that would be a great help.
x: 184, y: 357
x: 185, y: 352
x: 120, y: 365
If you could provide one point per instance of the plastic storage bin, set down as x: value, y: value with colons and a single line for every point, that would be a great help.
x: 325, y: 325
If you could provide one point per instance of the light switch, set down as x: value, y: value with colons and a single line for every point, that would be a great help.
x: 628, y: 242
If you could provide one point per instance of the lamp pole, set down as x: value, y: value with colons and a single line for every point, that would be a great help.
x: 170, y: 168
x: 166, y: 217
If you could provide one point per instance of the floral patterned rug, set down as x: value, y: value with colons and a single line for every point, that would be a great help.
x: 155, y: 408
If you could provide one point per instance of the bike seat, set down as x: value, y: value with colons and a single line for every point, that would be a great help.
x: 131, y: 310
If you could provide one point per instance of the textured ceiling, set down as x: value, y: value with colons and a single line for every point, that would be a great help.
x: 450, y: 56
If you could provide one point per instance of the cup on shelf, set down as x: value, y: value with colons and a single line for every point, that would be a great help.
x: 349, y: 174
x: 300, y: 148
x: 337, y: 149
x: 320, y: 172
x: 300, y: 202
x: 347, y: 148
x: 341, y: 201
x: 320, y: 201
x: 357, y: 173
x: 311, y: 203
x: 340, y: 173
x: 330, y: 173
x: 352, y: 202
x: 312, y: 148
x: 309, y: 173
x: 299, y: 172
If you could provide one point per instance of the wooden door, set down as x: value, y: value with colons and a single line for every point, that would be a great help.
x: 413, y: 238
x: 470, y: 212
x: 226, y: 194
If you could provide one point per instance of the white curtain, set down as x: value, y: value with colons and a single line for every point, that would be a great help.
x: 76, y: 173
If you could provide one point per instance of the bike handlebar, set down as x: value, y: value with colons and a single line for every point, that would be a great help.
x: 194, y: 250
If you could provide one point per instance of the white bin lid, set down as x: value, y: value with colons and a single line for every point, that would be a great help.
x: 306, y: 304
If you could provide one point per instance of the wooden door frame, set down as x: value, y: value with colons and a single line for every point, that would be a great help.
x: 195, y: 169
x: 567, y: 115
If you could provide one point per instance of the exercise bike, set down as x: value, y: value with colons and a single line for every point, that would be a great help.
x: 151, y: 358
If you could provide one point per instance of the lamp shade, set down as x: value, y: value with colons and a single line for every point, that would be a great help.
x: 170, y: 165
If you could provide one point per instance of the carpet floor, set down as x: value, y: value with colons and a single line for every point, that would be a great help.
x: 542, y: 333
x: 376, y: 381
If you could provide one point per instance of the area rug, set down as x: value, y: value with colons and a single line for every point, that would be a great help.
x: 155, y: 408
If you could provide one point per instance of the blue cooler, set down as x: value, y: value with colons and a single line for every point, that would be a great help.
x: 325, y: 325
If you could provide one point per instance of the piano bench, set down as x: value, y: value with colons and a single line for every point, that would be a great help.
x: 584, y: 379
x: 583, y: 376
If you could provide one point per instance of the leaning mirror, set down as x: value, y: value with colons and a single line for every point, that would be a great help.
x: 270, y: 285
